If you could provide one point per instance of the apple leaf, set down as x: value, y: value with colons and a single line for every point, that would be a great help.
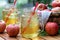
x: 42, y: 33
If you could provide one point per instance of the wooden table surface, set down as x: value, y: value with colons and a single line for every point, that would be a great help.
x: 4, y: 36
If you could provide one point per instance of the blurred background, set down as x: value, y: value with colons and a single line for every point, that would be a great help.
x: 21, y: 4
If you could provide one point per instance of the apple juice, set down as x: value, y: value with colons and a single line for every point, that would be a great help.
x: 32, y: 29
x: 13, y: 16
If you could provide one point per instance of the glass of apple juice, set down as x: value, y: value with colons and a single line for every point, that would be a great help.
x: 29, y: 24
x: 10, y: 15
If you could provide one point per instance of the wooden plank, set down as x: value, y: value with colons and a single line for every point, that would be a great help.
x: 24, y: 39
x: 6, y: 37
x: 49, y: 38
x: 36, y: 38
x: 57, y: 37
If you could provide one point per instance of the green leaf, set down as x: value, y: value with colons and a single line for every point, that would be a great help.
x: 42, y: 33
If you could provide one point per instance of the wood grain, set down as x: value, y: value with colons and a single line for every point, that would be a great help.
x: 4, y: 36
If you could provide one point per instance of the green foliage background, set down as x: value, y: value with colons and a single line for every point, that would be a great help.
x: 45, y: 1
x: 1, y: 9
x: 23, y: 3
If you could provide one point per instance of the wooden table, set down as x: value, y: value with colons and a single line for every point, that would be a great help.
x: 4, y: 36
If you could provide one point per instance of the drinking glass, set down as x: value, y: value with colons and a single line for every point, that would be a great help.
x: 11, y: 15
x: 29, y: 29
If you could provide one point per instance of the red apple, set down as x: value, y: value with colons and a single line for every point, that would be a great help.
x: 12, y: 30
x: 58, y: 3
x: 51, y: 28
x: 42, y: 6
x: 2, y: 26
x: 55, y: 3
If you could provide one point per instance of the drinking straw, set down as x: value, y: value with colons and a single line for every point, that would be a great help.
x: 15, y: 2
x: 9, y: 13
x: 32, y: 14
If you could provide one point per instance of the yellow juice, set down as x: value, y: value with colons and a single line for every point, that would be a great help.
x: 12, y: 19
x: 31, y: 30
